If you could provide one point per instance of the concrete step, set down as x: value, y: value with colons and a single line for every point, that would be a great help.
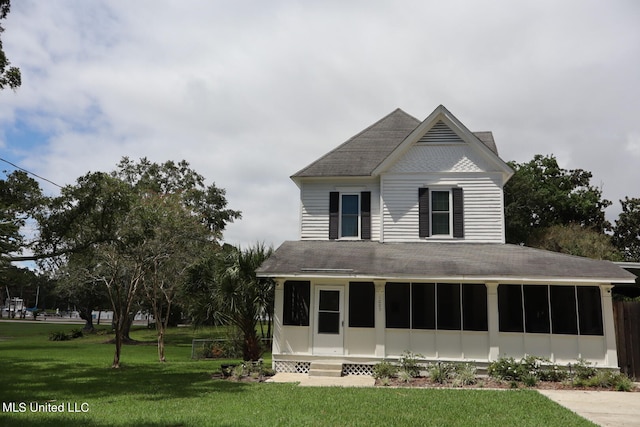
x: 325, y: 369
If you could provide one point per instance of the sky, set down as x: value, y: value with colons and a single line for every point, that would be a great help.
x: 250, y: 92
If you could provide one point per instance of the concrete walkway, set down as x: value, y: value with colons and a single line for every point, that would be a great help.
x: 605, y: 408
x: 305, y: 380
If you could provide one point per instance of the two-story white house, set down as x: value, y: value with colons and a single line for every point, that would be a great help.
x: 402, y: 248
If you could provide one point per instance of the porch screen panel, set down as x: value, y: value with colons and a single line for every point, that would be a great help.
x: 361, y: 305
x: 297, y: 295
x: 423, y: 306
x: 564, y: 319
x: 397, y: 309
x: 474, y: 307
x: 448, y: 306
x: 536, y: 309
x: 510, y: 308
x: 590, y: 310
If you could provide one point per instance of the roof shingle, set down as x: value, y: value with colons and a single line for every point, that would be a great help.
x: 429, y: 260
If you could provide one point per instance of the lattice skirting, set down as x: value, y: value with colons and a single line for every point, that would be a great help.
x: 292, y: 367
x: 354, y: 369
x: 297, y: 367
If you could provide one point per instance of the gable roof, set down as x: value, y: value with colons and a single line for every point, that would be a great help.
x: 436, y: 261
x: 362, y: 153
x: 367, y: 153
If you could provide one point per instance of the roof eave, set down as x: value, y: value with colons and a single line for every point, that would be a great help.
x: 443, y: 279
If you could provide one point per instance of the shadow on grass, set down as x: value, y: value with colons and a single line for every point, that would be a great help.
x: 33, y: 381
x: 57, y: 420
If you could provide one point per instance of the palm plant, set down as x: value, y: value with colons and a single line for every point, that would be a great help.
x: 233, y: 294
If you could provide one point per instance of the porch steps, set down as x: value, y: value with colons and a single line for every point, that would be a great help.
x: 325, y: 369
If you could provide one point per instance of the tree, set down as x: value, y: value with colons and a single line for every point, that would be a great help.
x: 225, y: 288
x: 626, y: 232
x: 174, y: 240
x: 9, y: 76
x: 541, y: 194
x: 20, y: 199
x: 132, y: 231
x: 77, y: 288
x: 208, y: 203
x: 574, y: 239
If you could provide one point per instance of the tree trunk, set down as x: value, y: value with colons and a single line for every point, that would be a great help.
x: 161, y: 356
x: 251, y: 344
x: 126, y: 328
x: 85, y: 314
x: 118, y: 340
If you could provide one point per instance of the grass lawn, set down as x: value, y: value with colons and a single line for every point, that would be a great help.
x: 77, y: 374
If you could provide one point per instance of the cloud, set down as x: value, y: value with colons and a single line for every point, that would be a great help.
x: 633, y: 144
x: 250, y: 92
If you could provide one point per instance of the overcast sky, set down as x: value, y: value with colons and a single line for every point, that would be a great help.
x: 250, y: 92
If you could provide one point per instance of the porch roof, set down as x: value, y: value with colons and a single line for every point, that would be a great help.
x: 435, y: 261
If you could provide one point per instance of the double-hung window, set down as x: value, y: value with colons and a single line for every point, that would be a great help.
x: 441, y: 212
x: 350, y: 215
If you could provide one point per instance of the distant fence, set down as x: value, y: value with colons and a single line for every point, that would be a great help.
x: 201, y: 348
x: 626, y: 315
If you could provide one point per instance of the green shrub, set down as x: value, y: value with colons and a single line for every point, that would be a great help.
x: 59, y: 336
x: 553, y: 373
x: 409, y: 363
x: 76, y: 333
x: 623, y: 383
x: 384, y: 369
x: 506, y: 368
x: 267, y: 371
x: 238, y: 372
x: 530, y: 380
x: 464, y: 374
x: 441, y: 372
x: 404, y: 376
x: 583, y: 370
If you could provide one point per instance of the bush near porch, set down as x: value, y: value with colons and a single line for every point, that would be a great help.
x: 506, y: 372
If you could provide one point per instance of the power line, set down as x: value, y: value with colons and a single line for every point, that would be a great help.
x: 31, y: 173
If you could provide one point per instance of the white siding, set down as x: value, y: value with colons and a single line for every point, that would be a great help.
x: 483, y: 205
x: 314, y: 199
x: 440, y: 158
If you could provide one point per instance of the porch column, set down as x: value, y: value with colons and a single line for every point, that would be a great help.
x: 611, y: 358
x: 278, y: 309
x: 380, y: 318
x: 493, y: 320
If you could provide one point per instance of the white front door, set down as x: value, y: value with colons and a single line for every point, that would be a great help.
x: 328, y: 337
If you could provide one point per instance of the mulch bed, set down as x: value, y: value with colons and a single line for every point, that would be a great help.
x: 488, y: 383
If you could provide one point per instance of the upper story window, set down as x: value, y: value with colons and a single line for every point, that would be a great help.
x: 441, y: 212
x: 350, y: 215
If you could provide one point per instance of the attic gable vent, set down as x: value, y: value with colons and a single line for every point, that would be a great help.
x: 440, y: 133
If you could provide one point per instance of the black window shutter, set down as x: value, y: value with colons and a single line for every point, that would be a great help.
x: 458, y: 212
x: 334, y: 214
x: 365, y: 215
x: 423, y: 212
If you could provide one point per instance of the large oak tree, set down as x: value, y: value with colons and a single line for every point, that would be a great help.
x: 129, y: 229
x: 541, y: 194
